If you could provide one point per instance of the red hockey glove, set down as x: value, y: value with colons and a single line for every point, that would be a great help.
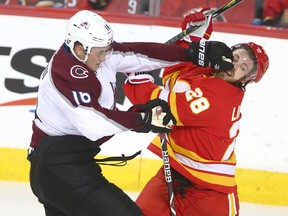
x: 202, y: 19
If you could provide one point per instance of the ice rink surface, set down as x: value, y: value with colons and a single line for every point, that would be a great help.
x: 16, y: 199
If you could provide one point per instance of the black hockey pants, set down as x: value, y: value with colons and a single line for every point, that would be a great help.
x: 68, y: 182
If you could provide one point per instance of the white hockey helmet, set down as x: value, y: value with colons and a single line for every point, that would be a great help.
x: 90, y: 29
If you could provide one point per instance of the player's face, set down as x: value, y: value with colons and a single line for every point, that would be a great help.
x: 97, y: 55
x: 243, y: 65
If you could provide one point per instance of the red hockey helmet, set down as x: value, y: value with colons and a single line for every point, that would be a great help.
x: 260, y: 57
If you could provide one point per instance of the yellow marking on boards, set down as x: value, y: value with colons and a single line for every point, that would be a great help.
x: 254, y: 186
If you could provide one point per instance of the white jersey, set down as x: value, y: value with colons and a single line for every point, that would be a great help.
x: 73, y: 100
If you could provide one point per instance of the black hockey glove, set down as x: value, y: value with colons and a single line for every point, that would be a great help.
x: 214, y: 54
x: 156, y: 116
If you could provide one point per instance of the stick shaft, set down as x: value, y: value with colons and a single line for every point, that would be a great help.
x: 225, y: 8
x: 193, y: 28
x: 167, y: 172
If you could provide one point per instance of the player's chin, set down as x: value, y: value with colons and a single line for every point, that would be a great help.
x: 225, y: 75
x: 221, y: 74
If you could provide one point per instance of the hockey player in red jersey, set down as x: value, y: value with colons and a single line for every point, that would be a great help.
x: 76, y: 113
x: 206, y: 104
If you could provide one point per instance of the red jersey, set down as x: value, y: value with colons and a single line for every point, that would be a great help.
x: 81, y: 4
x: 274, y: 8
x: 113, y: 6
x: 207, y: 110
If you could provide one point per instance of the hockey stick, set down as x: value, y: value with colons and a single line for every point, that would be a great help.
x: 193, y: 28
x: 167, y: 172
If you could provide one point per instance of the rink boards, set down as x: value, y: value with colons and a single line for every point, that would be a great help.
x: 262, y: 161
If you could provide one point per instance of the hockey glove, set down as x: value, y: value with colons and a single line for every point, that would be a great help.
x: 202, y: 19
x: 156, y: 116
x: 139, y: 77
x: 214, y: 54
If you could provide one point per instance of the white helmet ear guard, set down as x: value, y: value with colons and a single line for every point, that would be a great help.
x: 90, y: 29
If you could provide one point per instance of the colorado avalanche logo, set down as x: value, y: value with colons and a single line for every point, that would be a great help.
x: 85, y: 25
x: 78, y: 72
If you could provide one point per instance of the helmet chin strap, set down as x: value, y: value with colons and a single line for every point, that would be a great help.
x: 85, y: 58
x: 85, y: 51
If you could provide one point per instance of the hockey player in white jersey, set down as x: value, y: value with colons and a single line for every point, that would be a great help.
x: 76, y: 113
